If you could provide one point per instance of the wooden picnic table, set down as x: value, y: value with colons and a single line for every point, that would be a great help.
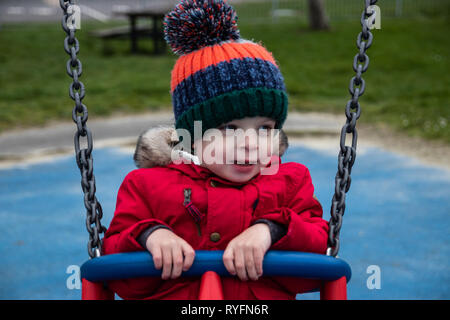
x: 156, y: 13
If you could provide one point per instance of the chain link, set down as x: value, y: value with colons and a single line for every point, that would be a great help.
x: 347, y: 154
x: 83, y: 156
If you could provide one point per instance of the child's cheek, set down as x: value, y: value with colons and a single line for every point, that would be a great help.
x: 265, y: 150
x: 212, y: 151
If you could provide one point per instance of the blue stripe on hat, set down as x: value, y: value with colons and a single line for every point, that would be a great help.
x: 227, y: 76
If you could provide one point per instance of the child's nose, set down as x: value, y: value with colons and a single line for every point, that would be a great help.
x: 250, y: 141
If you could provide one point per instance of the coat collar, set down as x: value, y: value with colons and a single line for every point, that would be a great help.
x: 155, y: 148
x: 192, y: 170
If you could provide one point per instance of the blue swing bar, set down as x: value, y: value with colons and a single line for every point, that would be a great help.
x: 333, y: 272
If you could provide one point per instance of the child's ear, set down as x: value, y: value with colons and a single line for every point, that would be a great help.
x: 283, y: 142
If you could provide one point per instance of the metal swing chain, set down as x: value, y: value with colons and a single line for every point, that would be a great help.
x: 347, y: 154
x: 83, y: 156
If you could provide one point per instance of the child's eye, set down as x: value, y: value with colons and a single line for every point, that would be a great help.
x: 266, y: 127
x: 228, y: 126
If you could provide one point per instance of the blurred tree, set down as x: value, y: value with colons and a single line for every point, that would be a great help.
x: 318, y: 19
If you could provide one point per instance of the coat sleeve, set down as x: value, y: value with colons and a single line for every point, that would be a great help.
x: 306, y: 230
x: 132, y: 216
x: 302, y: 216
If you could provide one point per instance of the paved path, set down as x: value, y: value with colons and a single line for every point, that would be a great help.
x: 43, y: 143
x: 119, y: 130
x: 49, y: 10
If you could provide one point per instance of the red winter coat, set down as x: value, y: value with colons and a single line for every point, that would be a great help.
x: 151, y: 196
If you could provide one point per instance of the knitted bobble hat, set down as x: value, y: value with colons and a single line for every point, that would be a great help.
x: 219, y: 76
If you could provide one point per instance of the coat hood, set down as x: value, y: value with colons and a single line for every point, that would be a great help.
x: 155, y: 147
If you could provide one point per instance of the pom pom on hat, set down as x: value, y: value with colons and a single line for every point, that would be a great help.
x: 194, y: 24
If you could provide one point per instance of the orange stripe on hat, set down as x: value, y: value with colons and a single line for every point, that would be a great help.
x: 198, y: 60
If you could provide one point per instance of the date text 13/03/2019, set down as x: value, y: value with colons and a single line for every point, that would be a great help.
x: 238, y: 309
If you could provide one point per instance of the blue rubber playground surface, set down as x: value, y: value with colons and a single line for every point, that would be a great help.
x: 395, y: 234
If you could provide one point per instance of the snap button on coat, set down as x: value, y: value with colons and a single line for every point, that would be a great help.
x: 214, y: 237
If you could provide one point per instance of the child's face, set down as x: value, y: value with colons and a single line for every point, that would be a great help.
x: 241, y: 140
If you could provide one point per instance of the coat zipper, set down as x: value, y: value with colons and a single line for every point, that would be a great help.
x: 192, y: 210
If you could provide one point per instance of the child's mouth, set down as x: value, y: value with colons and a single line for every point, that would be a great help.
x: 243, y: 163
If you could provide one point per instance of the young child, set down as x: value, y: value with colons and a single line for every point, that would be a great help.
x: 172, y: 208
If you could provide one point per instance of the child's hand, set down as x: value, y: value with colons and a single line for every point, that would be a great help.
x: 170, y: 252
x: 245, y: 253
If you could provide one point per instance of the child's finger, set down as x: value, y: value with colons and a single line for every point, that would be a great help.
x: 250, y: 264
x: 239, y: 264
x: 157, y: 257
x: 189, y: 255
x: 177, y: 262
x: 167, y: 263
x: 228, y: 261
x: 258, y: 257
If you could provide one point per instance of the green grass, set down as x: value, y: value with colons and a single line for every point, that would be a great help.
x: 341, y: 9
x: 406, y: 84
